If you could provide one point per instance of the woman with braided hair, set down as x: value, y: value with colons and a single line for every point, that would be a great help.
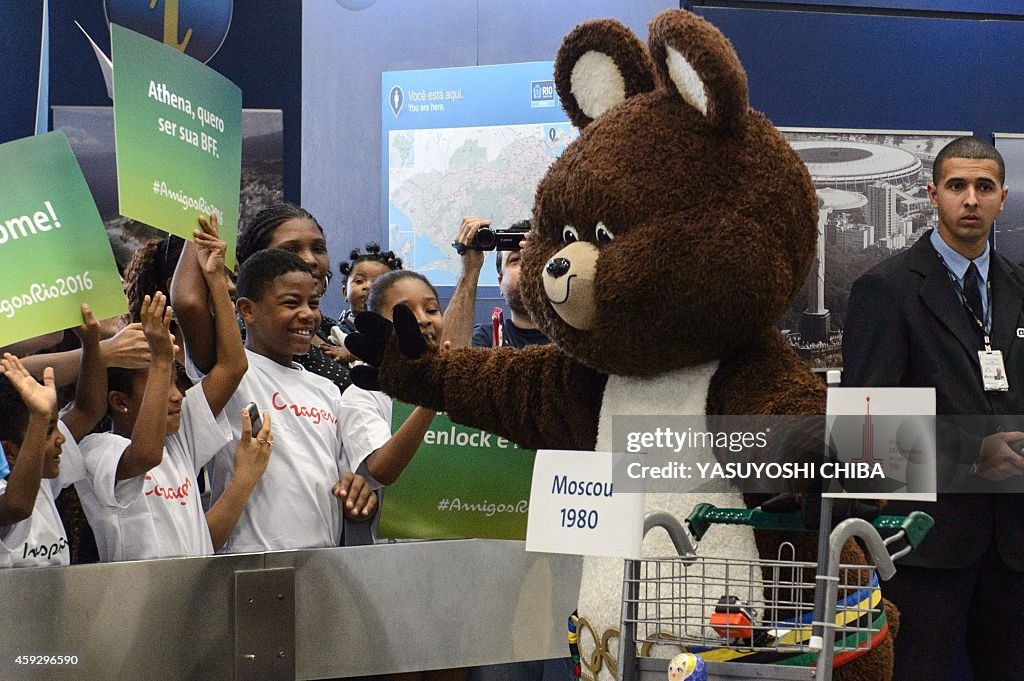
x: 287, y: 227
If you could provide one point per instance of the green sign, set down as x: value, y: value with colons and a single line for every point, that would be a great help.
x: 53, y: 247
x: 178, y: 133
x: 462, y: 483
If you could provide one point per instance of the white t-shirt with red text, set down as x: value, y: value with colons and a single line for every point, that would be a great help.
x: 365, y: 423
x: 40, y: 539
x: 292, y: 506
x: 159, y: 514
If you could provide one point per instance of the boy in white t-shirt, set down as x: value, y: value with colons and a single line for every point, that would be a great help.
x: 42, y: 453
x: 141, y: 495
x: 292, y: 506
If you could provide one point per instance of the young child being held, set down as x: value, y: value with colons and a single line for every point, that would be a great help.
x: 365, y: 417
x: 360, y: 271
x: 141, y: 494
x: 292, y: 505
x: 35, y: 441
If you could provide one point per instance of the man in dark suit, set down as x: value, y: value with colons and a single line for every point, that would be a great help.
x: 920, y: 319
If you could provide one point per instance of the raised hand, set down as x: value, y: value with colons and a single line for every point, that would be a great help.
x: 210, y: 249
x: 90, y: 330
x: 41, y: 399
x: 472, y: 258
x: 156, y: 325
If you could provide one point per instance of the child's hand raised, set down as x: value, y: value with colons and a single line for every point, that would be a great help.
x: 156, y: 325
x: 210, y: 249
x: 90, y: 330
x: 40, y: 399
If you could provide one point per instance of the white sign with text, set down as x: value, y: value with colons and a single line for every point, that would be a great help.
x: 574, y: 508
x: 886, y: 436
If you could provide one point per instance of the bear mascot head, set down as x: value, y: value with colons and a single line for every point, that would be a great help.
x: 666, y: 244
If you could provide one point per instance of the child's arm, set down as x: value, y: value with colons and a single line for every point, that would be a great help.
x: 251, y: 457
x: 18, y: 501
x: 31, y: 346
x: 387, y: 462
x: 147, y: 448
x: 360, y: 501
x: 91, y: 392
x: 231, y: 364
x: 126, y: 349
x: 190, y: 296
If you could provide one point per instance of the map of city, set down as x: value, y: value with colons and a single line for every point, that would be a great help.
x: 436, y: 176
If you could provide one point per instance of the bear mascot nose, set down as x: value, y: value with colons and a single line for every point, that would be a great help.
x: 558, y: 266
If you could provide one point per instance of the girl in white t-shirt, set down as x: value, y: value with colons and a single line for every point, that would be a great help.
x: 365, y: 416
x: 140, y: 494
x: 43, y: 456
x: 31, y: 532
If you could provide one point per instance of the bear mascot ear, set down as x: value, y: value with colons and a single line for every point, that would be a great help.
x: 599, y: 65
x: 698, y: 63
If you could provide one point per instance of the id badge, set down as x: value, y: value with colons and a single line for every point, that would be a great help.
x: 993, y: 373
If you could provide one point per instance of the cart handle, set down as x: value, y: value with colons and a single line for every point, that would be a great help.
x: 915, y: 526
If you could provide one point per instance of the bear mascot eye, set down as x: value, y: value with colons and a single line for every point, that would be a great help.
x: 569, y: 234
x: 604, y: 235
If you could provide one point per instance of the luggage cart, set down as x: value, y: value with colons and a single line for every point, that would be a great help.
x: 779, y: 619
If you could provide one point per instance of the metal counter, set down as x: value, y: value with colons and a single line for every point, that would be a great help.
x: 292, y: 614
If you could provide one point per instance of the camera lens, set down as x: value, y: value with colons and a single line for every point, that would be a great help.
x: 484, y: 240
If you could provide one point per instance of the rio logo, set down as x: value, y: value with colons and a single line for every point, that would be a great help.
x: 195, y: 27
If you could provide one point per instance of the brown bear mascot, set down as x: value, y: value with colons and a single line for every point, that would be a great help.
x: 666, y: 244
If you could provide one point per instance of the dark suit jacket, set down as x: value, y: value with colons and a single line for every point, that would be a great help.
x: 906, y: 327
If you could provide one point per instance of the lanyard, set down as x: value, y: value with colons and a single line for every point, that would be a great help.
x: 984, y: 327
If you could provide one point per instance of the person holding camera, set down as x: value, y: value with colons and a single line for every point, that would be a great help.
x: 474, y: 237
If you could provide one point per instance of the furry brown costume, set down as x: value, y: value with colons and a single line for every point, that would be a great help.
x: 667, y: 242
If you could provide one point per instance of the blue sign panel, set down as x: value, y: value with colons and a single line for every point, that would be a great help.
x: 464, y: 141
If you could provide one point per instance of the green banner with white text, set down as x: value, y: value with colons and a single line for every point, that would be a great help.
x: 54, y: 249
x: 178, y: 132
x: 461, y: 483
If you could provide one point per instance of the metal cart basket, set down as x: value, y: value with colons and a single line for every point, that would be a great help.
x: 759, y: 619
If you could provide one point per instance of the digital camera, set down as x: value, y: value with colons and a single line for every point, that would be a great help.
x: 487, y: 239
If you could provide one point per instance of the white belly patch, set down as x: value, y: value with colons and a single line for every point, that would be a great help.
x: 679, y: 393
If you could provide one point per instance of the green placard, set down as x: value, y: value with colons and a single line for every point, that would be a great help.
x: 462, y: 483
x: 178, y: 133
x: 54, y: 251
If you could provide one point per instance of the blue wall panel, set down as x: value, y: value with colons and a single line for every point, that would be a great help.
x: 19, y: 60
x: 847, y: 70
x: 533, y: 31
